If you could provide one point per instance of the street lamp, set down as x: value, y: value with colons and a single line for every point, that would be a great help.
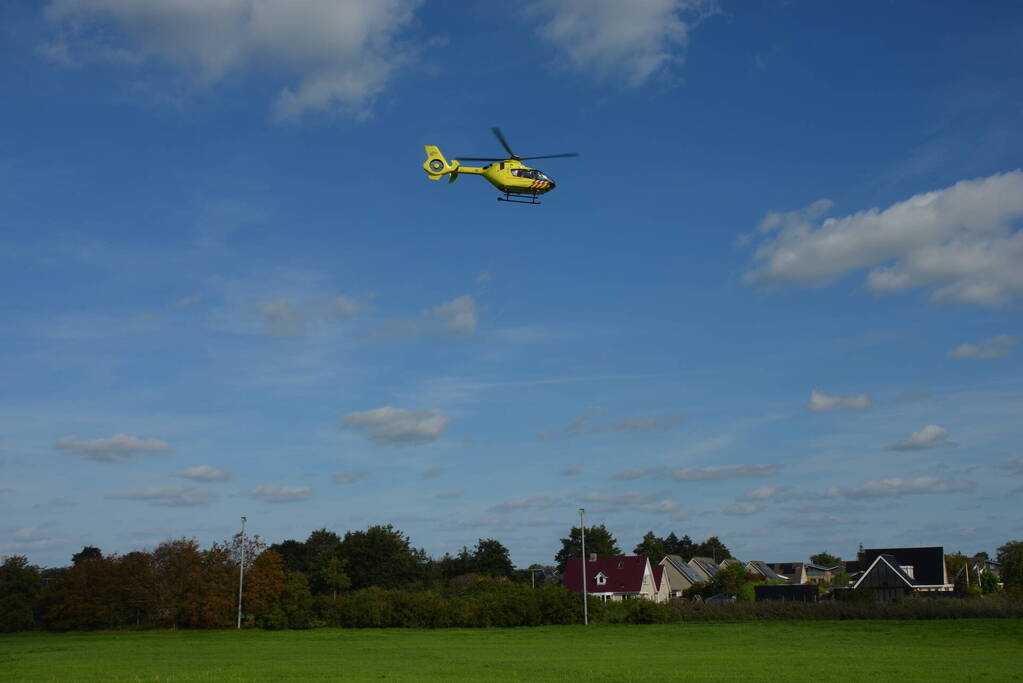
x: 241, y: 575
x: 582, y: 531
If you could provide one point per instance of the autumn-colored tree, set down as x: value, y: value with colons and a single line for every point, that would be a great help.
x: 264, y: 585
x: 83, y: 597
x: 178, y: 569
x: 20, y: 583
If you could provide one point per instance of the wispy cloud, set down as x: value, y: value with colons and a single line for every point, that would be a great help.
x: 271, y: 493
x: 169, y: 496
x: 931, y: 436
x: 585, y: 424
x: 338, y: 56
x: 389, y: 426
x: 822, y: 403
x: 348, y: 477
x: 453, y: 493
x: 529, y: 502
x: 743, y: 509
x: 571, y: 470
x: 117, y: 448
x: 897, y: 486
x: 626, y: 41
x: 722, y: 472
x: 995, y: 347
x: 765, y: 493
x: 204, y: 473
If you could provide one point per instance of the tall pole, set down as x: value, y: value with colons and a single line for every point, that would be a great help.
x: 241, y: 575
x: 582, y: 531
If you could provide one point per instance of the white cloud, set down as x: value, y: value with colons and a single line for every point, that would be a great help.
x: 186, y: 301
x: 930, y: 436
x: 995, y: 347
x: 822, y: 403
x: 743, y: 509
x: 1014, y: 465
x: 337, y: 54
x: 958, y: 240
x: 433, y: 471
x: 349, y: 477
x: 584, y: 424
x: 117, y: 448
x: 281, y: 318
x: 529, y: 502
x: 457, y: 316
x: 204, y: 473
x: 764, y: 493
x: 629, y: 41
x: 721, y: 472
x: 271, y: 493
x: 389, y: 426
x: 633, y: 473
x: 170, y: 496
x: 344, y: 306
x: 897, y: 486
x: 618, y: 499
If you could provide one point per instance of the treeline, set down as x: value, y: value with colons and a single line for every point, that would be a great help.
x: 294, y: 584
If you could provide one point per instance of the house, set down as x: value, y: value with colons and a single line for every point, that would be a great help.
x: 614, y: 578
x: 680, y: 575
x: 661, y: 583
x: 706, y: 567
x: 761, y: 568
x: 817, y: 575
x: 793, y: 572
x: 894, y: 573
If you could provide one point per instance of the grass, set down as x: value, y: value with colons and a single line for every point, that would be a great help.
x: 960, y: 650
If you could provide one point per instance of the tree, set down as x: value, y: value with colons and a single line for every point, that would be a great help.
x: 825, y: 559
x: 729, y: 579
x: 20, y: 583
x: 381, y: 556
x: 332, y: 575
x: 599, y: 541
x: 651, y: 547
x: 89, y: 552
x: 713, y: 548
x: 1010, y: 556
x: 683, y: 547
x: 491, y: 558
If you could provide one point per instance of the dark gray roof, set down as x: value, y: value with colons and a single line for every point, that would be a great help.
x: 928, y: 563
x: 708, y: 565
x: 762, y: 568
x: 684, y: 569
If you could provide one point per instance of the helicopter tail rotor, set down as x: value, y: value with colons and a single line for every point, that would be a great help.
x: 436, y: 165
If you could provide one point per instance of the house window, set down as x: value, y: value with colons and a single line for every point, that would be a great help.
x: 601, y: 579
x: 621, y: 565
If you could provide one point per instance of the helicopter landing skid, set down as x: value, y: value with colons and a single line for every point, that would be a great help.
x: 508, y: 198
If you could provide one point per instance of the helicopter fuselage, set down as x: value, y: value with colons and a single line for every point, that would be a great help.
x: 510, y: 176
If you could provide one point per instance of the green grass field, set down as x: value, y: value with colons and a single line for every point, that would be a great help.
x: 963, y: 650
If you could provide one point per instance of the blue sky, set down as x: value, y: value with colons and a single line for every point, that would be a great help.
x: 776, y: 298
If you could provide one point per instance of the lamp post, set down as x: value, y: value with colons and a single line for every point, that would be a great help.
x: 582, y: 532
x: 241, y: 575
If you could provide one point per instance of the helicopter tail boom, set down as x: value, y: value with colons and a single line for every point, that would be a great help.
x: 436, y: 165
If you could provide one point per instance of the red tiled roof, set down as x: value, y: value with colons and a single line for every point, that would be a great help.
x: 624, y: 574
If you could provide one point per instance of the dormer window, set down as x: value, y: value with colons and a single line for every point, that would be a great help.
x: 600, y: 578
x: 621, y: 565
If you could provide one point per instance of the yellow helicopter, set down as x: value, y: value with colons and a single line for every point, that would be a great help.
x: 509, y: 175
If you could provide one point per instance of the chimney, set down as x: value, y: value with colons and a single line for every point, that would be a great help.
x: 593, y: 557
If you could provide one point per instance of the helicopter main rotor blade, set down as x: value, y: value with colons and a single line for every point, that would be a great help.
x: 504, y: 143
x: 552, y: 156
x: 478, y: 159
